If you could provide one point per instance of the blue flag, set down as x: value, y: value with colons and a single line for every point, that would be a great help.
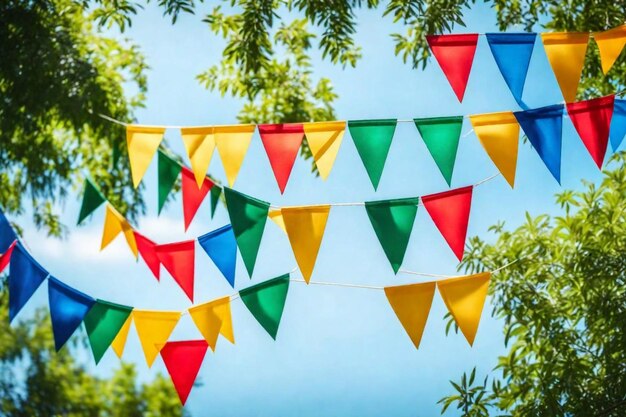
x: 7, y: 234
x: 543, y: 127
x: 68, y: 307
x: 221, y: 246
x: 618, y: 123
x: 25, y: 276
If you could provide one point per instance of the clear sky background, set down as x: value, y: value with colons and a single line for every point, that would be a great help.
x: 339, y: 351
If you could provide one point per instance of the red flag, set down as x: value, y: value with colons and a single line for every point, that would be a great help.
x: 6, y: 256
x: 592, y: 120
x: 146, y: 249
x: 455, y: 55
x: 450, y: 212
x: 178, y: 258
x: 192, y: 195
x: 183, y: 360
x: 282, y: 143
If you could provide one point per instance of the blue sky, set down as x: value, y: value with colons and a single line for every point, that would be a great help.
x: 339, y: 351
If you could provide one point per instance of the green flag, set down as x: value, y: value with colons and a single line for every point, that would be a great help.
x: 372, y: 139
x: 392, y: 221
x: 215, y: 197
x: 441, y: 136
x: 92, y: 199
x: 169, y: 170
x: 103, y: 323
x: 247, y: 216
x: 266, y: 302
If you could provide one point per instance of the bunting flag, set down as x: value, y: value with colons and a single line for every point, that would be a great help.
x: 153, y: 329
x: 179, y: 260
x: 499, y: 135
x: 305, y: 228
x: 441, y: 136
x: 277, y: 217
x: 6, y: 256
x: 114, y: 224
x: 566, y: 53
x: 25, y: 276
x: 592, y: 120
x: 168, y: 174
x: 266, y: 302
x: 450, y: 212
x: 610, y: 43
x: 512, y: 52
x: 103, y: 323
x: 92, y: 199
x: 282, y: 143
x: 465, y: 298
x: 324, y: 139
x: 119, y: 342
x: 214, y: 194
x: 392, y: 221
x: 248, y: 217
x: 192, y: 195
x: 68, y: 308
x: 142, y: 142
x: 372, y: 139
x: 199, y: 143
x: 221, y: 246
x: 183, y: 360
x: 455, y: 55
x: 212, y: 319
x: 412, y: 303
x: 7, y: 234
x: 147, y: 250
x: 232, y: 144
x: 618, y: 124
x: 543, y: 127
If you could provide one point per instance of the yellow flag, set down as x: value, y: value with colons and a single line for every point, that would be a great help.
x: 142, y: 143
x: 277, y: 217
x: 465, y: 299
x: 610, y: 43
x: 199, y: 143
x: 153, y: 329
x: 114, y: 224
x: 324, y: 139
x: 214, y: 318
x: 566, y: 53
x: 305, y: 228
x: 119, y: 342
x: 232, y: 144
x: 411, y: 303
x: 499, y: 135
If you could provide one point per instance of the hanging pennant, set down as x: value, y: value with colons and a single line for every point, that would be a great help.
x: 441, y: 136
x: 119, y: 342
x: 465, y: 298
x: 142, y: 142
x: 455, y: 55
x: 114, y: 224
x: 324, y: 139
x: 266, y: 302
x: 25, y: 276
x: 372, y: 139
x: 499, y: 135
x: 147, y: 250
x: 212, y: 319
x: 183, y: 360
x: 592, y: 120
x: 215, y: 194
x: 450, y: 212
x: 168, y: 174
x: 153, y: 329
x: 412, y: 303
x: 392, y: 221
x: 305, y: 228
x: 282, y: 143
x: 92, y: 199
x: 199, y: 143
x: 232, y: 144
x: 543, y: 127
x: 618, y: 123
x: 6, y: 256
x: 7, y: 234
x: 68, y: 307
x: 221, y: 246
x: 277, y: 217
x: 192, y: 195
x: 566, y: 53
x: 179, y: 260
x: 610, y: 43
x: 103, y: 323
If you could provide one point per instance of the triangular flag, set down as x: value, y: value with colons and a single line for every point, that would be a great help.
x: 153, y: 329
x: 192, y: 195
x: 68, y: 307
x: 232, y: 144
x: 610, y: 43
x: 103, y: 323
x: 147, y: 250
x: 512, y: 52
x: 168, y: 174
x: 450, y: 212
x: 142, y: 142
x: 199, y: 143
x: 499, y: 135
x: 212, y: 319
x: 221, y: 246
x: 324, y: 139
x: 25, y: 276
x: 277, y: 217
x: 305, y: 228
x: 566, y: 53
x: 618, y: 123
x: 592, y: 120
x: 455, y: 55
x: 119, y: 342
x: 179, y: 260
x: 248, y: 217
x: 465, y: 298
x: 92, y: 199
x: 215, y: 194
x: 392, y: 221
x: 282, y: 143
x: 266, y: 302
x: 412, y: 303
x: 7, y: 234
x: 183, y: 360
x: 543, y: 128
x: 5, y: 257
x: 441, y: 136
x: 114, y: 224
x: 372, y: 139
